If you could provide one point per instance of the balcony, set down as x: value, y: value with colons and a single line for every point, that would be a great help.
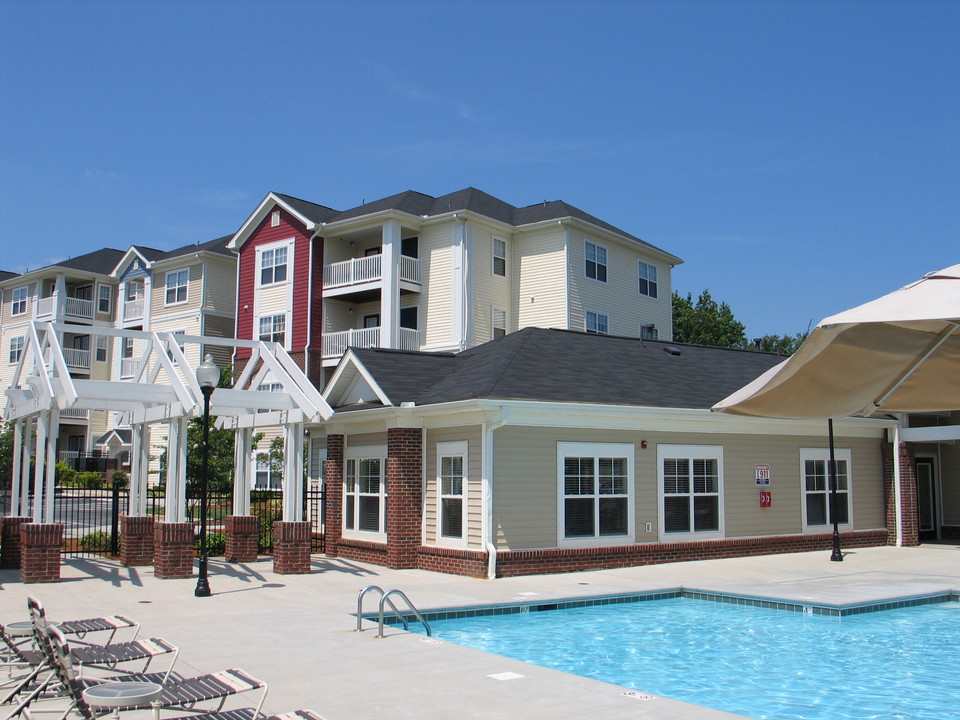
x: 362, y: 273
x: 75, y: 414
x: 74, y: 308
x: 133, y: 310
x: 335, y: 344
x: 129, y: 367
x: 77, y: 359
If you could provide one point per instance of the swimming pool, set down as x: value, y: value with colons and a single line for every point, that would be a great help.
x: 760, y: 662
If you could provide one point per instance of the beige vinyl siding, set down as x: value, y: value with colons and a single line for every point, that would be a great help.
x: 337, y: 315
x: 436, y: 274
x: 489, y: 290
x: 526, y: 492
x: 222, y: 327
x: 221, y: 286
x: 158, y: 306
x: 473, y: 531
x: 538, y: 264
x: 366, y: 439
x: 272, y: 300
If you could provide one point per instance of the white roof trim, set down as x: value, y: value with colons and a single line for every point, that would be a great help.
x: 344, y: 377
x: 242, y: 235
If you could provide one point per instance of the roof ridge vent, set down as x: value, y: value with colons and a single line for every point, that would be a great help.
x: 671, y: 350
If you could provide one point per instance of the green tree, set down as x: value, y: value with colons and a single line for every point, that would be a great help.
x: 220, y: 478
x: 6, y: 453
x: 781, y: 344
x: 706, y: 323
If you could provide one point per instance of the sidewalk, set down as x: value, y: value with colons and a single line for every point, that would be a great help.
x: 297, y: 631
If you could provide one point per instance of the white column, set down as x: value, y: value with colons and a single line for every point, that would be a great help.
x: 390, y: 285
x: 147, y: 289
x: 461, y: 285
x: 53, y: 432
x: 16, y: 479
x: 293, y: 472
x: 242, y: 439
x: 39, y: 477
x: 176, y: 501
x: 25, y: 469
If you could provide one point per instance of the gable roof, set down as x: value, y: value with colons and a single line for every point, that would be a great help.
x: 5, y: 275
x: 218, y: 246
x: 550, y: 365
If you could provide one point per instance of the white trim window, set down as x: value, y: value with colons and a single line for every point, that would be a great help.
x: 814, y: 474
x: 649, y: 332
x: 498, y: 321
x: 104, y: 298
x: 176, y: 282
x: 691, y: 490
x: 596, y: 323
x: 365, y: 493
x: 595, y: 482
x: 452, y: 492
x: 273, y: 265
x: 273, y: 328
x: 16, y: 349
x: 596, y: 261
x: 648, y: 279
x: 100, y: 353
x: 499, y: 266
x: 18, y: 298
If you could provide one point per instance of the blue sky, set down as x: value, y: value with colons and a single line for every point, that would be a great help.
x: 802, y: 157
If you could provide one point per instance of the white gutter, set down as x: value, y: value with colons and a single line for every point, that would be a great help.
x: 486, y: 472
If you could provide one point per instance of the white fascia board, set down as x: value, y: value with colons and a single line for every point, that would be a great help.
x: 240, y: 237
x: 596, y: 230
x: 472, y: 216
x: 362, y: 222
x: 343, y: 378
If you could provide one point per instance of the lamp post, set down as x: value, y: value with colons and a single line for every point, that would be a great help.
x: 208, y: 375
x: 837, y: 554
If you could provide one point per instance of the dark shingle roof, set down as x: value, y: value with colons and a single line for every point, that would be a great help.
x: 569, y: 366
x: 4, y: 275
x: 101, y: 261
x: 218, y: 246
x: 316, y: 213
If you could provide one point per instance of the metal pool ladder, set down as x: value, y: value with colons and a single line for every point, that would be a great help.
x: 385, y: 599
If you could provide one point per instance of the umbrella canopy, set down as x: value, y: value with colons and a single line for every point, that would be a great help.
x: 898, y: 353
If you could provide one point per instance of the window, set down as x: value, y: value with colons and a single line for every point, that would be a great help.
x: 177, y: 338
x: 134, y: 290
x: 648, y: 279
x: 176, y: 284
x: 19, y: 298
x: 649, y: 332
x: 408, y: 317
x: 273, y: 328
x: 268, y: 387
x: 104, y: 298
x: 16, y: 348
x: 691, y: 484
x: 101, y: 348
x: 127, y: 351
x: 815, y: 471
x: 451, y: 489
x: 597, y: 323
x: 499, y: 257
x: 266, y: 478
x: 410, y: 247
x: 273, y: 266
x: 365, y: 492
x: 596, y: 484
x: 596, y: 262
x: 371, y: 321
x: 499, y: 322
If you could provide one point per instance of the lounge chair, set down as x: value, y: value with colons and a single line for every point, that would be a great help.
x: 79, y: 629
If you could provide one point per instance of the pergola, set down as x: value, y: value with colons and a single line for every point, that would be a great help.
x: 164, y: 390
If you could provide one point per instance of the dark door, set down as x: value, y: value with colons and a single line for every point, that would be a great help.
x: 927, y: 499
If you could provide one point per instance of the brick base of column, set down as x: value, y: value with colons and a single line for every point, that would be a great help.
x: 173, y: 550
x: 291, y: 547
x: 40, y: 552
x: 136, y: 541
x: 242, y: 533
x: 10, y: 555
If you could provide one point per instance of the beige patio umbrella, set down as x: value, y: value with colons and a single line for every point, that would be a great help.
x: 899, y: 353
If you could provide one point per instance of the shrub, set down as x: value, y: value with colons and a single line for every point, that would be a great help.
x: 216, y: 543
x: 66, y: 475
x: 120, y: 478
x: 91, y: 480
x: 99, y: 540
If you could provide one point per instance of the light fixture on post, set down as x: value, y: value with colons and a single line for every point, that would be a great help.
x: 208, y: 375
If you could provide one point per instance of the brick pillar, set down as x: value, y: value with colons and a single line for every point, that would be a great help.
x: 404, y: 490
x: 333, y: 495
x: 242, y: 533
x: 909, y: 513
x: 136, y: 541
x: 291, y: 547
x: 173, y: 550
x: 10, y: 555
x: 40, y: 552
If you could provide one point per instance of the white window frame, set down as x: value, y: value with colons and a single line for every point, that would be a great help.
x: 267, y: 260
x: 498, y: 243
x: 271, y: 335
x: 647, y: 273
x: 691, y: 453
x: 15, y: 349
x: 455, y: 449
x: 842, y: 455
x: 100, y: 298
x: 649, y: 332
x: 597, y: 324
x: 600, y: 266
x: 102, y: 346
x: 596, y: 451
x: 23, y: 290
x: 135, y: 289
x: 352, y: 458
x: 498, y: 321
x: 174, y: 277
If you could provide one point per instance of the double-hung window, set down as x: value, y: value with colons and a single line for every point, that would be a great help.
x: 597, y: 323
x: 691, y: 489
x: 451, y: 490
x: 16, y: 349
x: 648, y: 279
x: 815, y: 473
x: 273, y: 266
x: 104, y: 298
x: 596, y: 487
x: 499, y: 257
x: 365, y: 493
x: 176, y: 286
x: 19, y: 298
x: 101, y: 348
x: 498, y: 318
x: 596, y: 261
x: 273, y: 328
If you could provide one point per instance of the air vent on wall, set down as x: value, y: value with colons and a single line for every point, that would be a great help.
x: 275, y: 218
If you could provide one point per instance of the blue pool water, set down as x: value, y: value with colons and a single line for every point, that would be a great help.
x: 763, y: 663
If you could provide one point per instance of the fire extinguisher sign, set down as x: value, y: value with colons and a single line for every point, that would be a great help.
x: 766, y: 499
x: 763, y: 475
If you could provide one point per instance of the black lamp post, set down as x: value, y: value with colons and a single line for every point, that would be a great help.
x: 837, y: 555
x: 208, y: 375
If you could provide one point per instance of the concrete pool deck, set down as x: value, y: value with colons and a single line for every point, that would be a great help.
x: 297, y: 631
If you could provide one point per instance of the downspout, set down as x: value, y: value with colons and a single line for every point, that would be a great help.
x: 897, y: 494
x: 487, y: 491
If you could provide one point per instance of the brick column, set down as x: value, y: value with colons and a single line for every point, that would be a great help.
x: 404, y: 490
x: 40, y: 552
x: 242, y: 532
x: 291, y: 547
x: 333, y: 495
x: 173, y: 550
x: 136, y: 541
x: 10, y: 555
x: 909, y: 513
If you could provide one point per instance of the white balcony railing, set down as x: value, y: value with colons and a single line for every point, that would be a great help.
x: 65, y: 455
x: 77, y: 358
x: 77, y: 413
x: 367, y: 269
x: 133, y: 310
x: 129, y: 367
x: 73, y: 307
x: 409, y: 269
x: 335, y: 344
